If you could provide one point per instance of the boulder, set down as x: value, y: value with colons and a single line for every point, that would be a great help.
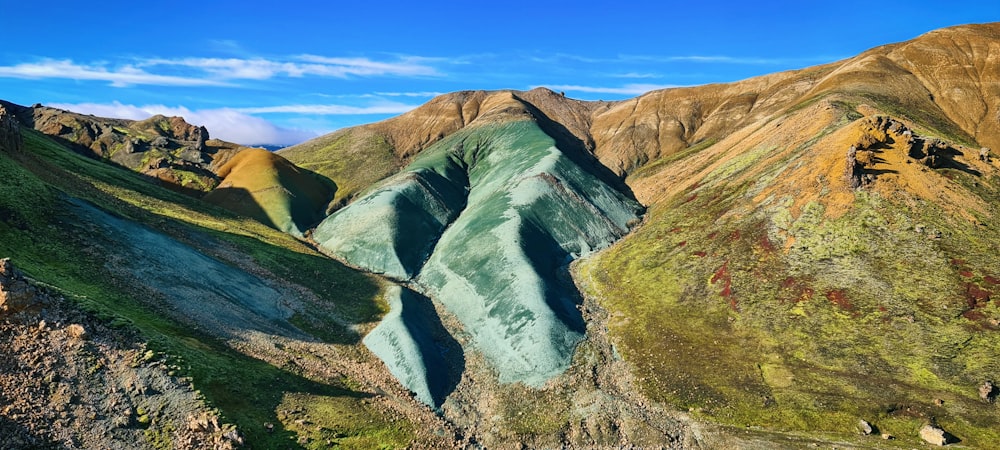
x: 934, y: 435
x: 987, y: 392
x: 865, y: 427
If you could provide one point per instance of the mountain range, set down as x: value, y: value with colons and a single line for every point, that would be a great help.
x: 802, y: 258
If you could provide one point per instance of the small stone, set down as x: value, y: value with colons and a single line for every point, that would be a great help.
x: 938, y: 402
x: 76, y: 331
x: 888, y: 436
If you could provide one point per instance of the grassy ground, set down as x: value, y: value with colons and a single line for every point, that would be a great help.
x: 38, y: 232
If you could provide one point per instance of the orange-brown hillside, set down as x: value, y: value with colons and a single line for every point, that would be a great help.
x: 262, y: 185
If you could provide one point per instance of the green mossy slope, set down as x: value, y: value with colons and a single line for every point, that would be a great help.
x: 127, y: 251
x: 750, y: 306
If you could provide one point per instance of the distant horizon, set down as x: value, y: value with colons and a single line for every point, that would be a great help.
x: 314, y: 72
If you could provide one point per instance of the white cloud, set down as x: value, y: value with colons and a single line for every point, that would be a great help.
x: 261, y: 69
x: 223, y: 123
x: 215, y: 71
x: 386, y: 108
x: 120, y: 77
x: 628, y: 89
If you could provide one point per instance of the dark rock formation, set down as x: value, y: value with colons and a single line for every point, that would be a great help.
x: 10, y: 134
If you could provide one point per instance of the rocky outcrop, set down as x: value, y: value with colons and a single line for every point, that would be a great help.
x: 15, y: 293
x: 10, y: 133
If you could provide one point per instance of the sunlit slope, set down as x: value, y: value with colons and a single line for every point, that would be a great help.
x: 266, y: 187
x: 764, y: 290
x: 221, y: 299
x: 483, y: 221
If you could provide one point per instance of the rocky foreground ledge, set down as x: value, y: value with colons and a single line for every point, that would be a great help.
x: 67, y: 380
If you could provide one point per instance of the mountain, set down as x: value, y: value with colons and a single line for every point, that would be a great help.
x: 805, y: 258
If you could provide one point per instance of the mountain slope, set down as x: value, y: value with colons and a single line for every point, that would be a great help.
x: 831, y: 286
x: 225, y: 302
x: 483, y: 222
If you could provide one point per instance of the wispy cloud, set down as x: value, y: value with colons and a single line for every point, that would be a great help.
x: 297, y: 66
x: 386, y: 108
x: 217, y: 71
x: 223, y: 123
x: 633, y: 75
x: 628, y: 89
x: 122, y: 76
x: 408, y: 94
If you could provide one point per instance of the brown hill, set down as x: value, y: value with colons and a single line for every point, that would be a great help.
x: 259, y: 184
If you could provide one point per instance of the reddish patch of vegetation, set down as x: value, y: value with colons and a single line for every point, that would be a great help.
x: 838, y: 298
x: 675, y: 230
x: 991, y: 280
x: 696, y: 185
x: 788, y: 282
x: 976, y: 295
x: 882, y: 308
x: 735, y: 235
x: 965, y: 273
x: 974, y: 315
x: 682, y: 243
x: 691, y: 198
x: 765, y: 243
x: 957, y: 262
x: 700, y: 254
x: 722, y: 274
x: 805, y: 295
x: 713, y: 235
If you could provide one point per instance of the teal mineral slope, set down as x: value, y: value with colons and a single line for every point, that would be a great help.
x: 484, y: 222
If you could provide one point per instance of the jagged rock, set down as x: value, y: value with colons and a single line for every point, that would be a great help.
x: 15, y: 293
x: 160, y: 141
x: 853, y: 170
x: 987, y: 392
x: 934, y: 435
x: 984, y: 154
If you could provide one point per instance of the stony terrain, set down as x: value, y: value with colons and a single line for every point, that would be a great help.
x: 100, y: 387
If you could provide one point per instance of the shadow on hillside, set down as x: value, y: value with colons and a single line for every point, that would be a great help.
x: 442, y: 355
x: 240, y: 201
x: 548, y: 258
x: 577, y: 151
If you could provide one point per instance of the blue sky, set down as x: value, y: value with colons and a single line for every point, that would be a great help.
x: 279, y: 72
